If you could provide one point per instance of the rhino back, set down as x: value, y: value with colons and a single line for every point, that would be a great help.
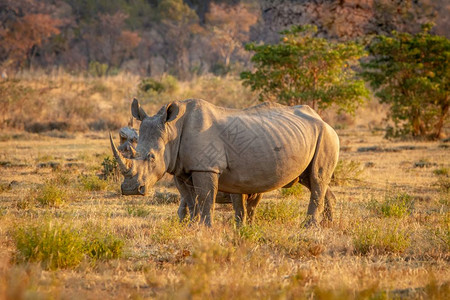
x: 254, y: 150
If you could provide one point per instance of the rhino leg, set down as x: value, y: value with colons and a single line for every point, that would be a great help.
x: 187, y: 192
x: 330, y: 199
x: 320, y: 171
x: 240, y: 209
x: 252, y: 202
x: 205, y: 185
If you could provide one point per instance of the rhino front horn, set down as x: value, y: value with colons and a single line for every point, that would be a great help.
x: 124, y: 163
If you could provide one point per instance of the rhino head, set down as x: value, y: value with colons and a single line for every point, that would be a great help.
x: 153, y: 153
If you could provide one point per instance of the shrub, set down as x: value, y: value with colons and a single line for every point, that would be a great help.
x: 293, y: 71
x: 51, y: 195
x: 410, y: 72
x: 92, y: 183
x: 380, y: 239
x: 296, y: 190
x: 398, y: 205
x: 103, y: 246
x: 137, y: 211
x: 149, y: 84
x: 54, y: 244
x: 283, y: 210
x: 252, y: 233
x: 109, y: 168
x: 346, y: 171
x: 165, y: 197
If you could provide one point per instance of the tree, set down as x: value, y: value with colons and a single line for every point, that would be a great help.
x: 303, y: 69
x: 23, y: 29
x: 229, y: 27
x: 178, y: 25
x: 411, y: 73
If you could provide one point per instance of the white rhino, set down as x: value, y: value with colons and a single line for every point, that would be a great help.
x: 255, y: 150
x: 244, y: 205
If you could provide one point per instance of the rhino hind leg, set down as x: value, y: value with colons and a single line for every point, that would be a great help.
x: 252, y: 202
x: 240, y: 208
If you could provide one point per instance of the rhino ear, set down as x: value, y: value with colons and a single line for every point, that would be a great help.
x: 137, y: 111
x: 171, y: 112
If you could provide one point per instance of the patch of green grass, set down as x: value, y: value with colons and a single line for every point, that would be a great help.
x: 397, y: 205
x: 53, y: 244
x: 346, y: 171
x: 380, y: 239
x: 103, y: 246
x: 137, y: 210
x: 51, y: 195
x: 296, y: 190
x: 283, y: 210
x: 168, y: 230
x: 252, y: 233
x: 441, y: 172
x: 165, y: 198
x: 92, y: 183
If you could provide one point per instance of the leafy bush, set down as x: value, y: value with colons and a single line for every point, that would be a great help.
x: 103, y: 246
x: 51, y: 195
x: 283, y: 210
x: 54, y: 244
x: 305, y: 69
x: 149, y: 84
x: 252, y: 233
x: 410, y: 72
x: 346, y: 172
x: 398, y: 205
x: 92, y: 183
x: 109, y: 168
x: 137, y: 211
x: 296, y: 190
x: 380, y: 239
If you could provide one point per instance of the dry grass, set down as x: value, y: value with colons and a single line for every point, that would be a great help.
x: 382, y: 244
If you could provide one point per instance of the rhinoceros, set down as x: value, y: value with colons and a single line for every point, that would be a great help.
x: 209, y: 148
x: 244, y: 205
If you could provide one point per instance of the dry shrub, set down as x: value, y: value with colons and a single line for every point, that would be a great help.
x: 347, y: 171
x: 53, y: 244
x: 387, y: 237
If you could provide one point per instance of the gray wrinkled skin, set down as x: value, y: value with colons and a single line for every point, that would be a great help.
x: 251, y: 151
x: 244, y: 205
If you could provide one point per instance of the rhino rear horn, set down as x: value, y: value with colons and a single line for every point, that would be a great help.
x: 124, y: 163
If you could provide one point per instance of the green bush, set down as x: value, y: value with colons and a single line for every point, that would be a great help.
x: 54, y: 244
x: 398, y: 205
x: 92, y: 183
x: 410, y: 73
x: 137, y: 211
x: 380, y: 239
x: 103, y: 246
x: 283, y: 210
x: 149, y: 84
x: 252, y: 233
x: 110, y: 168
x: 51, y: 195
x: 346, y: 172
x: 296, y: 190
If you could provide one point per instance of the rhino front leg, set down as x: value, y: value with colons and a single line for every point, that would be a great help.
x: 205, y: 185
x: 187, y: 192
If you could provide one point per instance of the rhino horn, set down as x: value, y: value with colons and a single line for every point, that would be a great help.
x: 124, y: 163
x: 133, y: 151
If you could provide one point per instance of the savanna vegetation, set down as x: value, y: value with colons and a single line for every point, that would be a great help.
x: 373, y: 69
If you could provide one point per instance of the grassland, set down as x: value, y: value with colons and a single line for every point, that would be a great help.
x: 65, y: 233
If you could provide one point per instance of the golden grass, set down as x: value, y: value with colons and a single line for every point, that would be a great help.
x: 365, y: 253
x: 275, y: 258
